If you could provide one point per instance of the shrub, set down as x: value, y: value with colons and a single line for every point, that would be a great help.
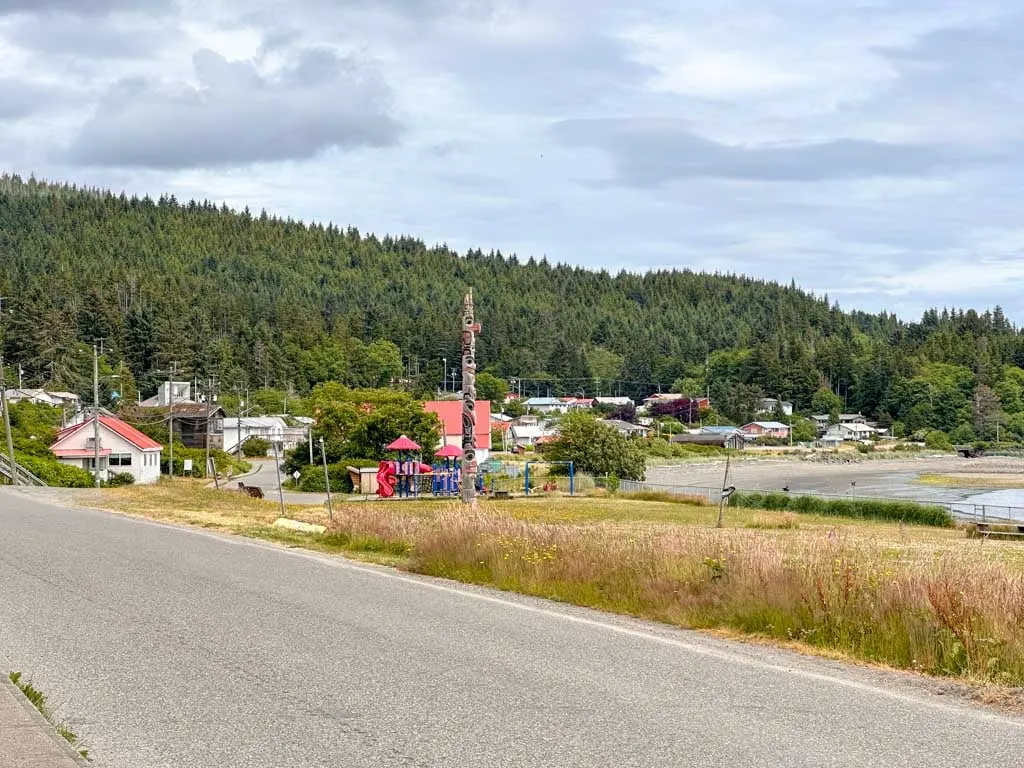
x: 255, y: 447
x: 311, y: 478
x: 55, y: 474
x: 873, y: 509
x: 119, y: 480
x: 938, y: 441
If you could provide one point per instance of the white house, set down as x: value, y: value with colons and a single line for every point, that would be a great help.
x: 768, y: 405
x: 526, y: 435
x: 853, y: 431
x: 626, y: 429
x: 546, y: 405
x: 123, y: 449
x: 237, y: 431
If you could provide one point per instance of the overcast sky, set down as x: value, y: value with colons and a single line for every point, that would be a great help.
x: 868, y: 149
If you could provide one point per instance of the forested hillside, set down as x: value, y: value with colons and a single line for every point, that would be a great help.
x: 257, y: 300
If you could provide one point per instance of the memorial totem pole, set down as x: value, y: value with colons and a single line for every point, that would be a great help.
x: 469, y: 468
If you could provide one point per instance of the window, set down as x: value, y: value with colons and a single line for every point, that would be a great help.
x: 120, y: 460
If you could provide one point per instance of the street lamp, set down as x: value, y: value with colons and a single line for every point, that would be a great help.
x: 453, y: 381
x: 444, y: 379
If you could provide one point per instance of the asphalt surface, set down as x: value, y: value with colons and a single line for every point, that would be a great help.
x: 178, y: 647
x: 265, y: 476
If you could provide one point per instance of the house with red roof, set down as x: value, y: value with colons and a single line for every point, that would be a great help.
x: 123, y: 449
x: 450, y: 414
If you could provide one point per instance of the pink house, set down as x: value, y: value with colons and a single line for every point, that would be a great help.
x: 756, y: 429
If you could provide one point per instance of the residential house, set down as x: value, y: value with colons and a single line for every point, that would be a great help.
x: 546, y: 405
x: 449, y: 413
x: 821, y: 423
x: 733, y: 440
x: 770, y: 405
x: 847, y: 432
x: 41, y: 397
x: 577, y: 403
x: 529, y: 435
x: 627, y: 429
x: 852, y: 418
x: 123, y: 449
x: 238, y: 430
x: 168, y: 392
x: 772, y: 429
x: 194, y: 423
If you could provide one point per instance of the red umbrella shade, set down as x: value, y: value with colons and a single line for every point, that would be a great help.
x: 403, y: 444
x: 449, y: 452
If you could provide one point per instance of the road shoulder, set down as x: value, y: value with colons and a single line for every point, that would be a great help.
x: 27, y: 740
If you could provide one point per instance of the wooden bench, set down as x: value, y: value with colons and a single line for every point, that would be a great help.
x: 253, y: 490
x: 999, y: 529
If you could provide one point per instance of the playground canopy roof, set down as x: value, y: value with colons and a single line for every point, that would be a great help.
x: 403, y: 444
x: 449, y: 452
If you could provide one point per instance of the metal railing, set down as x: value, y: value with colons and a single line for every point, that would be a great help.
x: 23, y: 475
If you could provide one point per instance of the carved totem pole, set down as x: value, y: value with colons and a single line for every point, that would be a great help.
x: 469, y: 468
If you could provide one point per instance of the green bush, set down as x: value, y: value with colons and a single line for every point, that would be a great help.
x: 871, y: 509
x: 312, y: 477
x: 938, y: 441
x: 255, y: 447
x: 55, y: 474
x: 119, y: 480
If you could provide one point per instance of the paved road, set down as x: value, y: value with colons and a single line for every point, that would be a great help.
x: 177, y: 647
x: 265, y: 476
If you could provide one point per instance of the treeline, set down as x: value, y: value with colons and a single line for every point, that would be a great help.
x: 258, y: 301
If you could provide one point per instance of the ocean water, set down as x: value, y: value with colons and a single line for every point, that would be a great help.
x: 1008, y: 504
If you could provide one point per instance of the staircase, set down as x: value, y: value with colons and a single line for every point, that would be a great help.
x: 24, y: 476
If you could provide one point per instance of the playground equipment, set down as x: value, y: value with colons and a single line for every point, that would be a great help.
x: 447, y: 477
x: 398, y: 477
x: 572, y: 476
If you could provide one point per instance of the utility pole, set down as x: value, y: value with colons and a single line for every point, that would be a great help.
x: 327, y: 481
x: 170, y: 419
x: 309, y: 439
x: 209, y: 400
x: 7, y: 424
x: 96, y: 412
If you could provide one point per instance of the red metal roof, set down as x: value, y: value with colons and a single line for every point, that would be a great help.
x: 450, y: 414
x: 79, y: 453
x: 120, y: 428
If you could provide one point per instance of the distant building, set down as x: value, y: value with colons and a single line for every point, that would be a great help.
x: 169, y: 391
x: 577, y: 403
x: 546, y: 405
x: 529, y: 435
x: 627, y: 429
x: 733, y: 440
x: 42, y: 397
x: 854, y: 430
x: 123, y: 449
x: 238, y: 430
x: 769, y: 405
x: 449, y: 412
x: 773, y: 429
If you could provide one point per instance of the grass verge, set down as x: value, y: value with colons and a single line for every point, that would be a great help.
x: 912, y: 597
x: 973, y: 480
x: 49, y: 712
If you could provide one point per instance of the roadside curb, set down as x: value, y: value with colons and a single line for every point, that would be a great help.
x: 27, y: 738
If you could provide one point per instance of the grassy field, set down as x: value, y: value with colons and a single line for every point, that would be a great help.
x: 913, y: 597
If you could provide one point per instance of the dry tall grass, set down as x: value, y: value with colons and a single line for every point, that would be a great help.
x: 952, y: 614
